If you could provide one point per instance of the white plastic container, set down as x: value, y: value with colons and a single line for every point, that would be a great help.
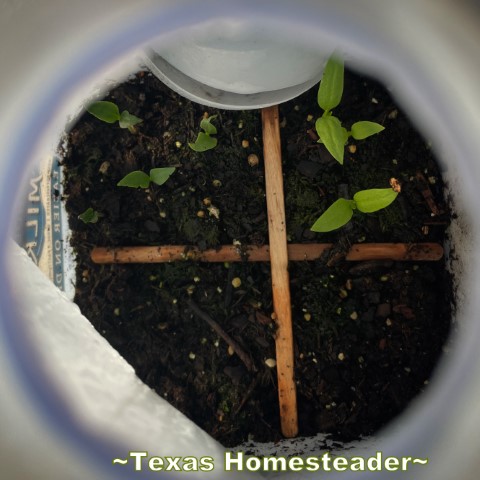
x: 69, y: 403
x: 235, y: 65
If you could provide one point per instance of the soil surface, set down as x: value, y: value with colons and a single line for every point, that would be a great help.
x: 367, y: 334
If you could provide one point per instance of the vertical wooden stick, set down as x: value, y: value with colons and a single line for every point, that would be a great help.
x: 279, y: 267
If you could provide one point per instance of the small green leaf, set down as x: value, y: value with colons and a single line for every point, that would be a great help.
x: 206, y: 125
x: 203, y: 142
x: 89, y: 216
x: 332, y: 135
x: 106, y: 111
x: 161, y: 175
x: 128, y: 120
x: 337, y: 215
x: 369, y: 201
x: 134, y: 180
x: 361, y: 130
x: 331, y: 87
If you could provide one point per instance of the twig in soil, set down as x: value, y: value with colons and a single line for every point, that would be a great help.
x: 248, y: 394
x: 242, y: 355
x: 339, y: 251
x: 428, y: 195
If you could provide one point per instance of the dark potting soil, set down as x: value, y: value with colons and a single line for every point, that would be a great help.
x: 367, y: 334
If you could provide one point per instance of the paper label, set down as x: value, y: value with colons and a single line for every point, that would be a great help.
x: 43, y: 223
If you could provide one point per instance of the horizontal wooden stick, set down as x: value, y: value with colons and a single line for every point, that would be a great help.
x: 296, y: 252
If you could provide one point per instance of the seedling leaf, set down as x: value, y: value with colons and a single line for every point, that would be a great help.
x: 332, y: 135
x: 135, y: 179
x: 207, y: 126
x: 203, y: 142
x: 89, y: 216
x: 361, y: 130
x: 106, y: 111
x: 161, y: 175
x: 128, y: 120
x: 369, y: 201
x: 337, y: 215
x: 331, y: 87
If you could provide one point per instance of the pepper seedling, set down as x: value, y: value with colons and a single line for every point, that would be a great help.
x: 139, y: 179
x: 109, y: 112
x: 204, y: 140
x: 365, y: 201
x: 90, y: 216
x: 329, y: 128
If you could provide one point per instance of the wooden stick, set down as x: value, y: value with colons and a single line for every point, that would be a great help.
x: 419, y: 252
x: 279, y: 267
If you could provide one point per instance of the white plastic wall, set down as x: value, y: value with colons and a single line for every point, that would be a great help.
x: 58, y: 417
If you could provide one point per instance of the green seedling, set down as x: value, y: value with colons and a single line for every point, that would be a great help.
x: 329, y: 128
x: 139, y: 179
x: 365, y: 201
x: 90, y: 216
x: 109, y: 112
x: 204, y: 140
